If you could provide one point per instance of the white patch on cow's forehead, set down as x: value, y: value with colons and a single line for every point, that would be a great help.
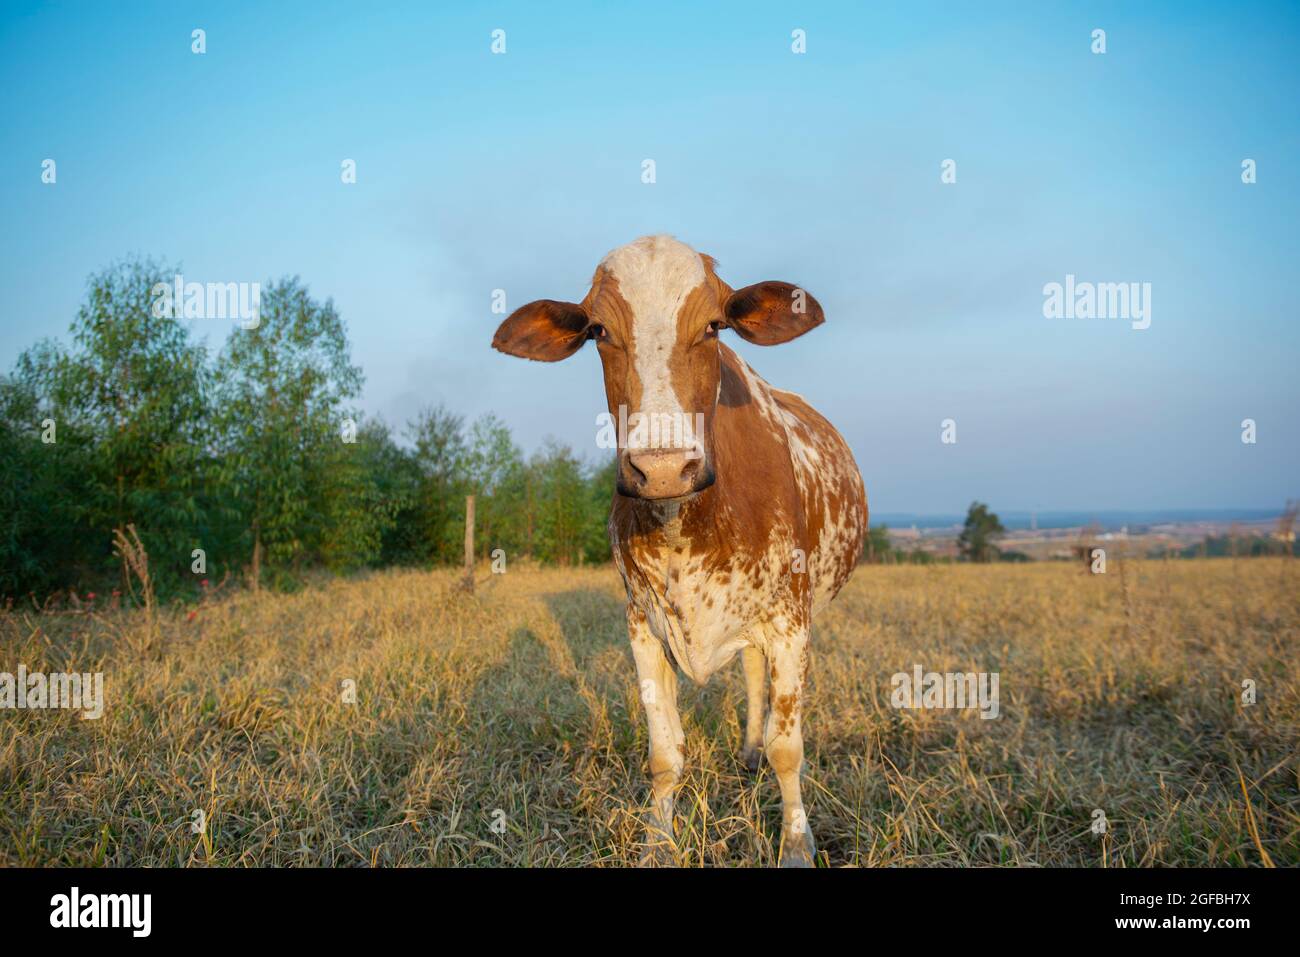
x: 655, y: 275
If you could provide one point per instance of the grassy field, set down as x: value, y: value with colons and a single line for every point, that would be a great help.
x: 516, y: 707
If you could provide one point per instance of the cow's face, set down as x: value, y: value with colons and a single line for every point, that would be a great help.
x: 655, y: 310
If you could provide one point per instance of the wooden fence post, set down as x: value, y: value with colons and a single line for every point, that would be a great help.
x: 469, y: 543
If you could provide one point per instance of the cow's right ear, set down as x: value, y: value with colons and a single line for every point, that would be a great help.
x: 545, y: 330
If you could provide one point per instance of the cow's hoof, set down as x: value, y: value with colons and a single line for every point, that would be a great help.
x: 751, y: 758
x: 657, y: 853
x: 798, y: 850
x: 660, y: 850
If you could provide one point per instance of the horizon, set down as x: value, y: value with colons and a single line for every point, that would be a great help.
x: 1106, y: 519
x: 1115, y: 168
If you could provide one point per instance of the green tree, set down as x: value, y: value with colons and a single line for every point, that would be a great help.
x: 396, y: 480
x: 283, y: 390
x: 563, y: 504
x: 515, y: 503
x: 600, y: 491
x: 359, y: 498
x: 130, y: 407
x: 492, y: 464
x: 44, y: 541
x: 440, y: 454
x: 876, y: 546
x: 976, y: 541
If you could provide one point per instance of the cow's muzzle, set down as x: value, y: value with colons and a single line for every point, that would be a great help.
x: 663, y: 473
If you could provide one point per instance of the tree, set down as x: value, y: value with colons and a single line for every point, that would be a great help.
x: 440, y: 455
x: 361, y: 493
x: 396, y: 482
x: 43, y: 487
x: 129, y: 406
x: 876, y: 546
x: 283, y: 388
x: 492, y: 461
x: 562, y: 504
x: 976, y: 539
x: 600, y: 491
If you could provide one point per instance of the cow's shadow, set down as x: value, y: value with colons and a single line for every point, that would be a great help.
x: 555, y: 697
x: 594, y: 622
x: 590, y: 620
x: 541, y: 690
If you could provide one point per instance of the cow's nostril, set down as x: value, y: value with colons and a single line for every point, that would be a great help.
x: 638, y: 477
x: 690, y: 468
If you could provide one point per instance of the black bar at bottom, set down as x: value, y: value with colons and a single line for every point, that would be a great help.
x: 335, y: 906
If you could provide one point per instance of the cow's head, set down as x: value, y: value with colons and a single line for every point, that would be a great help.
x: 655, y: 309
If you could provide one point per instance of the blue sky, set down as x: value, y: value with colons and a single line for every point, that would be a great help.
x: 478, y: 171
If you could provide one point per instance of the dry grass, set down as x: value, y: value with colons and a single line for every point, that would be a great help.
x: 1119, y: 692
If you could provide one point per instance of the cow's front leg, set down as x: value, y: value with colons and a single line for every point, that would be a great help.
x: 658, y: 683
x: 755, y: 705
x: 788, y: 656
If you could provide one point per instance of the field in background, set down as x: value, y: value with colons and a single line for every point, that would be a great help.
x: 518, y: 706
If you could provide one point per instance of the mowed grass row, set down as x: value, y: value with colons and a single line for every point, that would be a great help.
x: 503, y: 729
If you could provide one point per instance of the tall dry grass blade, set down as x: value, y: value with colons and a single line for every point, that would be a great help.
x: 1251, y: 825
x: 135, y: 560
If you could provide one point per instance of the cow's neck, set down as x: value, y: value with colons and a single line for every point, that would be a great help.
x: 665, y: 517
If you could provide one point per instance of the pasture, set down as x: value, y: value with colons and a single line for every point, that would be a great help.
x: 504, y: 728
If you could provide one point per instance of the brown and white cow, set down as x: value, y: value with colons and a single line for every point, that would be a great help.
x: 729, y: 539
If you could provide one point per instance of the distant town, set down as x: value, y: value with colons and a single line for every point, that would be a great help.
x: 1068, y: 535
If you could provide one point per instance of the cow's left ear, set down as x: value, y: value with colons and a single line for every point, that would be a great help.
x: 546, y: 330
x: 769, y: 313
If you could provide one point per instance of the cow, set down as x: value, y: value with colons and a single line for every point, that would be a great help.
x: 730, y: 532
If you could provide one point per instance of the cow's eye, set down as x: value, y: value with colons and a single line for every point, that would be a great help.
x: 713, y: 328
x: 597, y: 331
